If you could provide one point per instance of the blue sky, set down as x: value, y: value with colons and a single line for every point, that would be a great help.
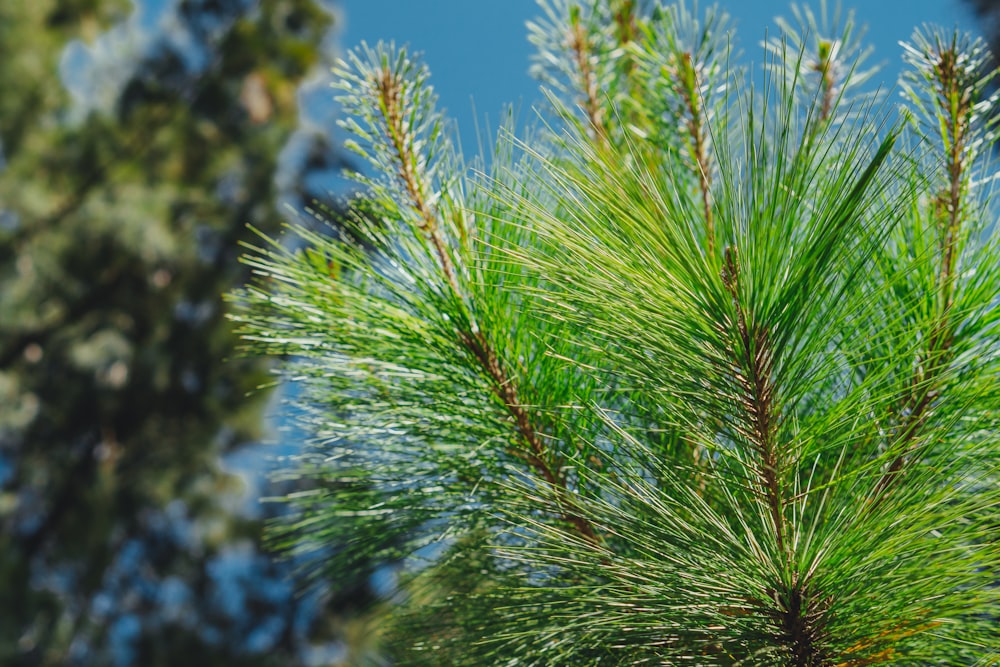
x: 478, y: 50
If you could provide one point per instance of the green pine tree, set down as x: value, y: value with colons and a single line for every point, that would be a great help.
x: 702, y: 371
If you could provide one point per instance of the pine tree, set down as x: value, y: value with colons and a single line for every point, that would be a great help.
x: 703, y: 370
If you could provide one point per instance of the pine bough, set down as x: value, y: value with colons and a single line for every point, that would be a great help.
x: 704, y: 370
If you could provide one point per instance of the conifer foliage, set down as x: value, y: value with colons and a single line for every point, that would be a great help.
x: 702, y: 371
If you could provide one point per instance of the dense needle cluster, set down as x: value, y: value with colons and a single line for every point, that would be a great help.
x: 698, y: 372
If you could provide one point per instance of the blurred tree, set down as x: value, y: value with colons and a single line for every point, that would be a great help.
x: 126, y: 185
x: 704, y: 371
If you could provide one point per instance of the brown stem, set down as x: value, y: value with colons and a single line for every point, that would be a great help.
x: 390, y: 90
x: 801, y: 621
x: 826, y: 65
x: 753, y: 367
x: 534, y: 454
x: 956, y: 164
x: 690, y: 88
x: 625, y: 23
x: 798, y: 613
x: 828, y: 87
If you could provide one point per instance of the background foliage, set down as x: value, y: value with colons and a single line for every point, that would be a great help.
x: 127, y: 184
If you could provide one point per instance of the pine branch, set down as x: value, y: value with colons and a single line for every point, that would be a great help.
x: 826, y: 56
x: 390, y: 91
x: 753, y: 367
x: 535, y: 455
x: 689, y: 85
x: 800, y: 614
x: 953, y: 83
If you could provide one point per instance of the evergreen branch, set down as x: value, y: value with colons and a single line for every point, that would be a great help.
x: 390, y: 86
x: 826, y: 55
x: 506, y: 390
x: 954, y: 96
x: 680, y: 61
x: 689, y: 86
x: 390, y: 90
x: 753, y: 366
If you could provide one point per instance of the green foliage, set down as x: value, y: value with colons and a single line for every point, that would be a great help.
x: 120, y: 385
x: 703, y: 372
